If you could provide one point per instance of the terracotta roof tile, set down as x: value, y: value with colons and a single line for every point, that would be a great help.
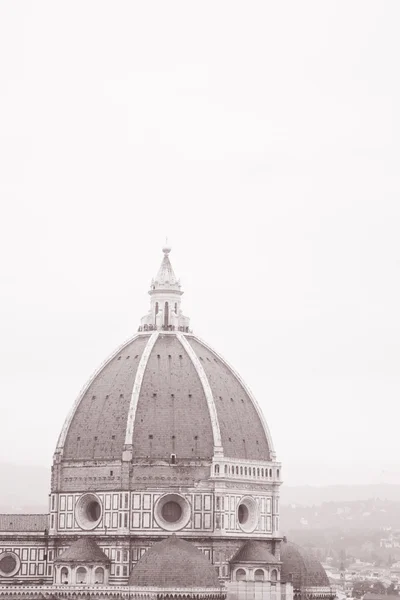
x: 83, y: 550
x: 174, y: 563
x: 301, y: 567
x: 34, y: 522
x: 255, y: 552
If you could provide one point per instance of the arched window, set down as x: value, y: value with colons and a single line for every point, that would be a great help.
x: 259, y: 575
x: 241, y: 470
x: 166, y: 310
x: 240, y: 575
x: 232, y: 470
x: 254, y: 471
x: 258, y: 472
x: 64, y: 576
x: 270, y: 472
x: 262, y: 472
x: 176, y: 308
x: 216, y: 469
x: 99, y: 575
x: 81, y: 575
x: 277, y: 473
x: 156, y: 309
x: 237, y: 470
x: 226, y: 469
x: 274, y: 575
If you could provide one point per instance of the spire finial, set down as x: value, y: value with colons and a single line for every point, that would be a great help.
x: 166, y: 248
x: 165, y: 305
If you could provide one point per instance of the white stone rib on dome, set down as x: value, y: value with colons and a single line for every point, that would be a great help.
x: 247, y: 390
x: 218, y: 449
x: 68, y: 420
x: 137, y: 386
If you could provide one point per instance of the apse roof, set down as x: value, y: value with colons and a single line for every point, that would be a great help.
x: 84, y: 550
x: 255, y: 552
x: 174, y: 563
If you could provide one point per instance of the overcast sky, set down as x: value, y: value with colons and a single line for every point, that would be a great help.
x: 263, y: 139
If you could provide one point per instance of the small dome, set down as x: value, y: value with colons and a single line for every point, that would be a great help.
x: 254, y: 552
x: 301, y: 568
x: 84, y: 550
x: 174, y: 563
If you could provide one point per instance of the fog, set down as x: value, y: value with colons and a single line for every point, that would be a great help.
x: 263, y: 139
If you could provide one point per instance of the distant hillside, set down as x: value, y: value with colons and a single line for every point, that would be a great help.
x: 307, y: 495
x: 23, y: 488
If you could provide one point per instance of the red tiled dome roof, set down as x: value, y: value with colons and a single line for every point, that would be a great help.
x: 178, y: 381
x: 84, y: 550
x: 254, y: 552
x: 174, y: 563
x: 301, y: 567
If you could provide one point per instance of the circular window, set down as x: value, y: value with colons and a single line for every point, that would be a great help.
x: 9, y: 564
x: 88, y: 511
x: 247, y: 514
x: 172, y: 512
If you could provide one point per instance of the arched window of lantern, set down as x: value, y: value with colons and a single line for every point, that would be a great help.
x: 81, y: 575
x: 274, y: 575
x: 226, y: 469
x: 240, y: 575
x: 258, y: 472
x: 259, y: 575
x: 254, y: 471
x: 216, y: 469
x: 262, y: 472
x: 237, y: 470
x: 166, y: 310
x: 241, y: 470
x: 270, y: 472
x: 245, y: 470
x: 232, y: 470
x: 64, y: 575
x: 99, y: 575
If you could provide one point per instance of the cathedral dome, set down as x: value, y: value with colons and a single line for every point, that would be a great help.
x: 301, y: 568
x: 165, y: 395
x: 174, y: 563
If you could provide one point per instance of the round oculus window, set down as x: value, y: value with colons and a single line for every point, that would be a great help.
x: 88, y: 511
x: 9, y: 564
x: 172, y: 512
x: 247, y: 514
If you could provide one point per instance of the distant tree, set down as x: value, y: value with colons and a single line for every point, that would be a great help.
x: 392, y: 590
x: 360, y: 588
x: 378, y: 588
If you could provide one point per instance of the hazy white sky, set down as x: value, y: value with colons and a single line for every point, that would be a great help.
x: 263, y: 138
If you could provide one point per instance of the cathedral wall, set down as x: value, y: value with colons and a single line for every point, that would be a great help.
x: 209, y: 512
x: 31, y: 556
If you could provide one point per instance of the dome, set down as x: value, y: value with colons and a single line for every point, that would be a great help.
x: 84, y: 550
x: 174, y: 563
x: 301, y: 568
x: 254, y: 552
x: 165, y: 392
